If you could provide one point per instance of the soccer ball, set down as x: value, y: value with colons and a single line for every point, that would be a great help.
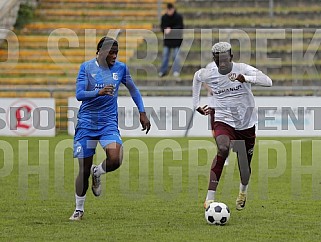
x: 217, y: 213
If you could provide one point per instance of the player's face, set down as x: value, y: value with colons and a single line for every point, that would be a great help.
x: 107, y: 55
x: 224, y: 62
x: 112, y: 55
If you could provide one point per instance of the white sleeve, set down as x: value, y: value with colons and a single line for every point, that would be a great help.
x: 256, y: 77
x: 197, y: 85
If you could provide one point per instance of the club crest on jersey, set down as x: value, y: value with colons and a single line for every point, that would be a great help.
x: 232, y: 76
x: 115, y: 76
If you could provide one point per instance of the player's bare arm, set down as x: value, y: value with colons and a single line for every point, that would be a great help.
x: 144, y: 122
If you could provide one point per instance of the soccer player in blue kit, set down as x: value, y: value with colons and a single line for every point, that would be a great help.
x: 97, y: 87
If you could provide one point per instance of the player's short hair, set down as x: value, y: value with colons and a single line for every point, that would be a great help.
x: 106, y: 39
x: 170, y: 6
x: 221, y: 47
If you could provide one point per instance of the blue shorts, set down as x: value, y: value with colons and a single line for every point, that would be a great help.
x: 85, y: 142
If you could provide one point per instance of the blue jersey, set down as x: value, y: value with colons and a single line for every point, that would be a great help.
x: 97, y: 112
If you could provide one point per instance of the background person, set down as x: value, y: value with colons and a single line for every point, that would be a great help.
x: 171, y: 26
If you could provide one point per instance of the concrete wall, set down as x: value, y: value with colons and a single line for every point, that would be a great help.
x: 9, y: 13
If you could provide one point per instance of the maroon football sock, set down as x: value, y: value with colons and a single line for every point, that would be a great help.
x: 216, y: 171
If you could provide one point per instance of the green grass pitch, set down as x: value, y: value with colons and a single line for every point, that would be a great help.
x: 158, y: 193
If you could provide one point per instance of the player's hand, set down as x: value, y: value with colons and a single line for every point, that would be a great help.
x: 107, y: 90
x: 144, y: 122
x: 205, y: 110
x: 240, y: 78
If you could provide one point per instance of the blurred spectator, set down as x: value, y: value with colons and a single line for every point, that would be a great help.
x: 171, y: 25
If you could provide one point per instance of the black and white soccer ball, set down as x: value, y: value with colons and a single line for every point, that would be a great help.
x: 217, y: 213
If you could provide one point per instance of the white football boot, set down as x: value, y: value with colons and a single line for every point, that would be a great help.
x: 240, y: 201
x: 77, y: 215
x: 96, y: 186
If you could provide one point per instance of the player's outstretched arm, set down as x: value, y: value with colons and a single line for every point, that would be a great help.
x: 133, y: 90
x: 136, y: 96
x: 259, y: 79
x: 255, y: 76
x: 197, y: 85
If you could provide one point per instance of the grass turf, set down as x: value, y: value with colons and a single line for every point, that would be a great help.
x: 158, y: 193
